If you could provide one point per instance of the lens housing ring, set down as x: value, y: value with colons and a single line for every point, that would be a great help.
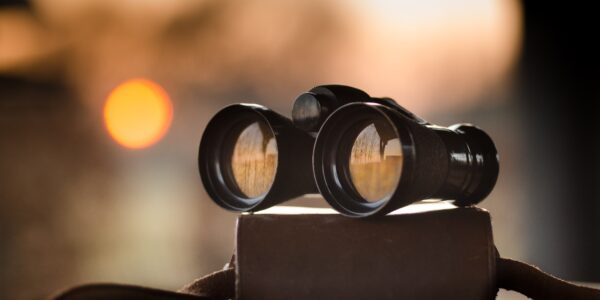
x: 294, y: 148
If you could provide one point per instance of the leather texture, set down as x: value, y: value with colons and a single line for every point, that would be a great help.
x: 444, y: 254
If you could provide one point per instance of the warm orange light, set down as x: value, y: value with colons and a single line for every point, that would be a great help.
x: 137, y: 113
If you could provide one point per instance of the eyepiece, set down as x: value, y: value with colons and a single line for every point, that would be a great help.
x: 313, y: 107
x: 251, y: 158
x: 370, y: 159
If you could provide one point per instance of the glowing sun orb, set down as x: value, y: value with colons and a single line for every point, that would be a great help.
x: 137, y: 113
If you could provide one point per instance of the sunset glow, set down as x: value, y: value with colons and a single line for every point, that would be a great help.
x: 137, y: 113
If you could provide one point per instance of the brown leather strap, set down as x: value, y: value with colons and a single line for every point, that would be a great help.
x: 512, y: 275
x: 532, y: 282
x: 111, y: 291
x: 218, y: 285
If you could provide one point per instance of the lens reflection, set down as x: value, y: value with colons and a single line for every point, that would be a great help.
x: 376, y: 161
x: 254, y: 160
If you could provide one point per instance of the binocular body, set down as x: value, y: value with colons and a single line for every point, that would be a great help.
x: 366, y: 156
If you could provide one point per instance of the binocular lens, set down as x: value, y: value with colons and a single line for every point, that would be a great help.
x: 375, y: 162
x: 254, y: 160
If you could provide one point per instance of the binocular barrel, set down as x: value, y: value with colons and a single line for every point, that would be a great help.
x: 252, y: 158
x: 370, y: 159
x: 367, y: 156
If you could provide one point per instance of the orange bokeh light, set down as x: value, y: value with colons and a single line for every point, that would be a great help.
x: 137, y: 113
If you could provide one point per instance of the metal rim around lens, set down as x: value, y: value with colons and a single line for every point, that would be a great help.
x: 333, y: 147
x: 216, y: 148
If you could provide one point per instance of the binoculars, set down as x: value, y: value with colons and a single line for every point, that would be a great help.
x: 367, y: 156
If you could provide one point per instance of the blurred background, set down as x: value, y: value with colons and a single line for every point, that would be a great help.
x: 88, y: 197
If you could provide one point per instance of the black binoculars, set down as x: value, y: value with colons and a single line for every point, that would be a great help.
x: 366, y: 156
